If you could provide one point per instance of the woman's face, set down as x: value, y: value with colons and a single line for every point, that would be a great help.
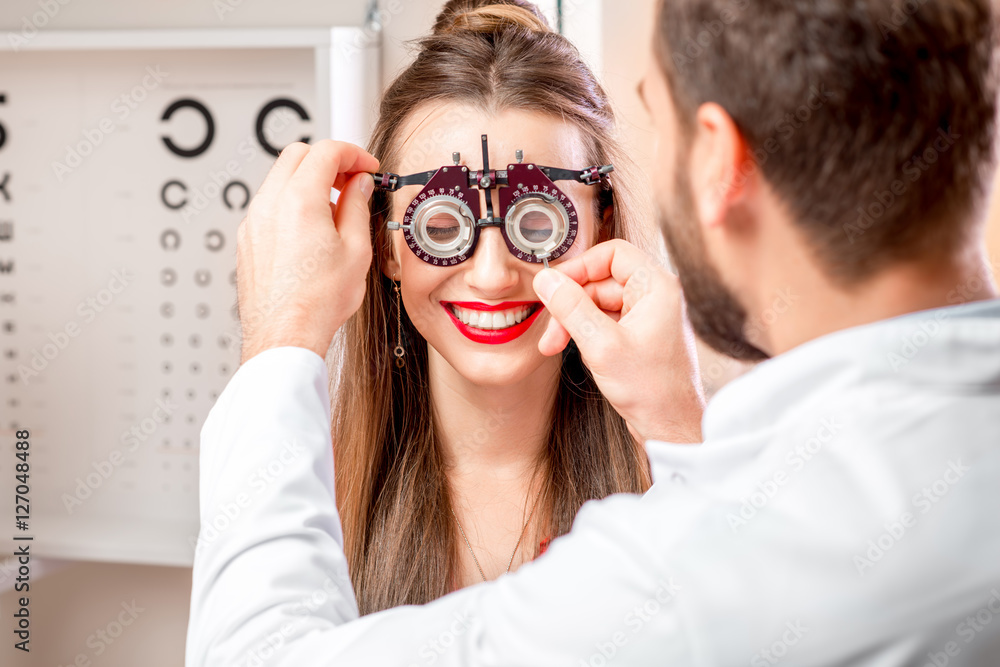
x: 476, y: 340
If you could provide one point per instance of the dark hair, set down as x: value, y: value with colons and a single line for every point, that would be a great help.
x: 392, y: 491
x: 873, y: 120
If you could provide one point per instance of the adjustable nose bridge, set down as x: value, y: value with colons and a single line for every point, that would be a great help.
x: 488, y: 218
x: 488, y: 181
x: 492, y: 264
x: 492, y: 244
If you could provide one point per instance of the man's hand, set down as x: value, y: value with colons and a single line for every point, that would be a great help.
x: 301, y: 260
x: 626, y: 314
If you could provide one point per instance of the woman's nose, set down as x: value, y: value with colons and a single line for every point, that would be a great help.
x: 493, y: 270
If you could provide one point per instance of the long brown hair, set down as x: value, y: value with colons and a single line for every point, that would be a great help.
x: 400, y: 537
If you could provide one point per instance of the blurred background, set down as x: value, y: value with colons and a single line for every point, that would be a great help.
x: 131, y: 136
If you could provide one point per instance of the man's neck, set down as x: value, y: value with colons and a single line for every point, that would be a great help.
x: 811, y: 306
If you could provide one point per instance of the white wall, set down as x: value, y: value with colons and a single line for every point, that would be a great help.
x: 15, y: 15
x: 72, y: 601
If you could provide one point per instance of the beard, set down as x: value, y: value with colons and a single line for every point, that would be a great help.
x: 716, y: 315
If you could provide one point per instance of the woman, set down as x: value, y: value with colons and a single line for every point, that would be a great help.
x: 462, y: 462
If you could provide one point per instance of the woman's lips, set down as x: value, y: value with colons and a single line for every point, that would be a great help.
x: 492, y: 324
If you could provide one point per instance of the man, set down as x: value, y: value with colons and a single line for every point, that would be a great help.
x: 823, y: 170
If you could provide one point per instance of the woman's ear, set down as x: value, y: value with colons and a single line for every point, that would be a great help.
x: 390, y: 262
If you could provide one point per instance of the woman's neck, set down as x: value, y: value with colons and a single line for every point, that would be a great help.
x: 493, y: 441
x: 489, y: 432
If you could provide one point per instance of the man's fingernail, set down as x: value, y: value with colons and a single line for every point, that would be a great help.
x: 367, y: 186
x: 546, y: 282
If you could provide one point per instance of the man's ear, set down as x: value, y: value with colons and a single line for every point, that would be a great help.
x: 722, y: 168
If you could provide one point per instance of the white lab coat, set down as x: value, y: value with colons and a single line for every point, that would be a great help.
x: 844, y: 509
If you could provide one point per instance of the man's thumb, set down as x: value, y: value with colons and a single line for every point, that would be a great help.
x: 578, y: 315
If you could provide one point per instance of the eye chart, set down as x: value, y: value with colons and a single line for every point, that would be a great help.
x: 127, y: 160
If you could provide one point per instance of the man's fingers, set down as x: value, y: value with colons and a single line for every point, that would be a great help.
x: 569, y: 305
x: 554, y: 340
x: 341, y: 181
x: 615, y: 259
x: 284, y: 166
x: 318, y: 171
x: 607, y: 294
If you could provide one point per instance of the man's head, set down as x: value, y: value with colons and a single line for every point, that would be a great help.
x: 865, y: 126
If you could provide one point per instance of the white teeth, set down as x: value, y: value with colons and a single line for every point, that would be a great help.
x: 491, y: 320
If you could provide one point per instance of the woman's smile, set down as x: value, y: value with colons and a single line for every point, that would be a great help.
x: 492, y: 324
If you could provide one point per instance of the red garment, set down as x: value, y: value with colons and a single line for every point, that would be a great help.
x: 543, y: 545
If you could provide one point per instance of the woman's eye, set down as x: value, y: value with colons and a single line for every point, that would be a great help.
x: 442, y: 233
x: 537, y: 235
x: 536, y: 227
x: 443, y: 229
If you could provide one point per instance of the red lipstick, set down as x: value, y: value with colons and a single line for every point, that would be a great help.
x: 498, y: 336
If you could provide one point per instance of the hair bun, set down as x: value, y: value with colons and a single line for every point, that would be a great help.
x: 489, y: 17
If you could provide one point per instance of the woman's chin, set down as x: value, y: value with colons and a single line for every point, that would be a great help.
x: 495, y: 365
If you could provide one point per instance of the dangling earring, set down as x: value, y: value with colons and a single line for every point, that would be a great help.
x: 399, y: 351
